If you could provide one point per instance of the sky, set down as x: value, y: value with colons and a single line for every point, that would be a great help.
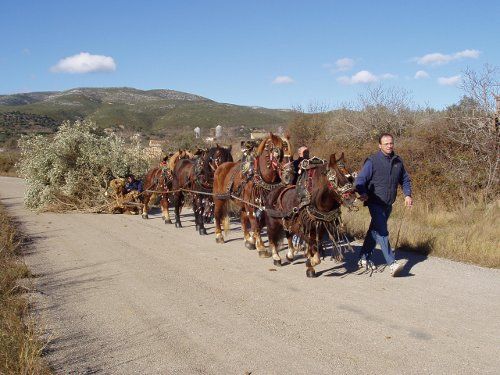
x: 275, y: 54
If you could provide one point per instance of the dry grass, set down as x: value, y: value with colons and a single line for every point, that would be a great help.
x: 468, y: 234
x: 8, y: 160
x: 20, y: 348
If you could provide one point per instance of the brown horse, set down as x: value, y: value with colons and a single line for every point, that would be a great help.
x: 311, y: 209
x: 247, y: 189
x: 159, y: 181
x: 195, y: 177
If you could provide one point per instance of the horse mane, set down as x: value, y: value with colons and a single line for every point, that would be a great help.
x: 277, y: 141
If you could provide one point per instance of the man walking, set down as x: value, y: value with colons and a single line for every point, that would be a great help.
x: 377, y: 185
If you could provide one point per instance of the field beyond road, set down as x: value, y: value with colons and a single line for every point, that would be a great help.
x: 120, y: 295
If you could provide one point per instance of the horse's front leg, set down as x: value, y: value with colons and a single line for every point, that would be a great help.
x: 259, y: 243
x: 177, y: 206
x: 200, y: 225
x: 245, y: 224
x: 256, y: 228
x: 218, y: 217
x: 290, y: 255
x: 165, y: 214
x: 313, y: 259
x: 147, y: 197
x: 274, y: 235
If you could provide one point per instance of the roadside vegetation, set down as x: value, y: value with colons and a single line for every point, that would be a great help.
x: 20, y: 346
x: 453, y: 157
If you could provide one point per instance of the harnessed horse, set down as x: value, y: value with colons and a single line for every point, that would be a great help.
x: 195, y: 177
x: 248, y: 191
x: 310, y: 209
x: 159, y: 181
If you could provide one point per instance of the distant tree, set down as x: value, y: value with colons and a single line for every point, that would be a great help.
x: 472, y: 131
x: 378, y: 110
x: 309, y: 127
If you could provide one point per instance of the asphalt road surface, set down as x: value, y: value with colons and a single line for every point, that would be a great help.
x: 116, y: 294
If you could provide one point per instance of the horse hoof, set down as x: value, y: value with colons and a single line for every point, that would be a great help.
x: 249, y: 245
x: 311, y: 273
x: 168, y: 221
x: 197, y: 227
x: 277, y: 263
x: 264, y: 254
x: 219, y: 240
x: 202, y: 232
x: 145, y: 216
x: 178, y: 224
x: 289, y: 259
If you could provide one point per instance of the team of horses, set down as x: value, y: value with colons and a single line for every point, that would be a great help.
x: 259, y: 189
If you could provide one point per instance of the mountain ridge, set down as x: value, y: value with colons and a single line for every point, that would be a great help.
x: 149, y: 111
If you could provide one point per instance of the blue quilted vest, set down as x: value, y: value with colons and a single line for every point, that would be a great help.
x: 386, y: 174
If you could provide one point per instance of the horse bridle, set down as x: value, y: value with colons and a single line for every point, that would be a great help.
x: 331, y: 175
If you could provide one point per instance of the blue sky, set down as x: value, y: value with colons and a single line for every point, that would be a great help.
x: 275, y: 54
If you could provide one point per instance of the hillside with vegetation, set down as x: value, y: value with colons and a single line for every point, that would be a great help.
x: 153, y: 112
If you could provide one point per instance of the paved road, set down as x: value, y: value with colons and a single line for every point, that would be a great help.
x: 120, y: 295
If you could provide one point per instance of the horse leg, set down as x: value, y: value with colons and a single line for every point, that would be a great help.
x: 291, y: 249
x: 274, y: 234
x: 196, y: 207
x: 165, y: 215
x: 147, y: 197
x: 256, y: 227
x: 310, y: 272
x: 177, y: 205
x: 218, y: 216
x: 245, y: 223
x: 199, y: 215
x: 313, y: 259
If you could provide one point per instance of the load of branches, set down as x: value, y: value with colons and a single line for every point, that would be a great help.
x: 71, y: 170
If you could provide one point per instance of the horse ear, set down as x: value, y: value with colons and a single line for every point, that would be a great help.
x: 341, y: 157
x: 217, y: 145
x: 287, y: 135
x: 333, y: 160
x: 230, y: 148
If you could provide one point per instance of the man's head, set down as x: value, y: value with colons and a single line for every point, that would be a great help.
x: 386, y: 143
x: 303, y: 152
x: 130, y: 177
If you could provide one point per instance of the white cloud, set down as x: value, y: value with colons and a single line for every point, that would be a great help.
x: 364, y: 76
x: 449, y: 81
x: 344, y: 64
x: 84, y: 62
x: 282, y: 80
x: 421, y: 74
x: 341, y: 65
x: 441, y: 59
x: 387, y: 76
x: 470, y: 53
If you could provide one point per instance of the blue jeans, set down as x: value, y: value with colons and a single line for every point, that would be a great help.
x: 378, y: 233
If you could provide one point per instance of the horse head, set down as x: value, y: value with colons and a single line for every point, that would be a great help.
x: 272, y: 155
x: 341, y: 179
x: 218, y: 155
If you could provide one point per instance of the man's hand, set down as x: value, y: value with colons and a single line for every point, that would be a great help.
x: 408, y: 201
x: 363, y: 197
